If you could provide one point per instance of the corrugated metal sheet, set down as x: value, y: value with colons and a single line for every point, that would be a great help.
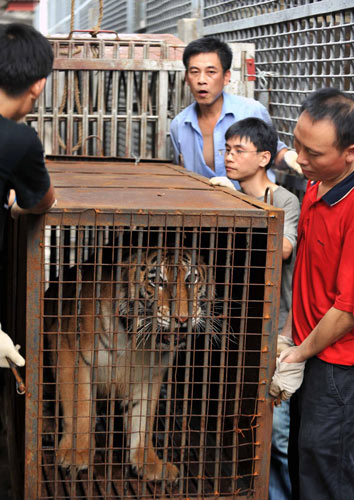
x: 162, y: 15
x: 115, y: 16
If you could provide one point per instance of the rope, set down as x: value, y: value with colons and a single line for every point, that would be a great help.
x: 72, y: 23
x: 79, y: 110
x: 61, y: 109
x: 97, y: 28
x: 95, y: 53
x: 262, y: 77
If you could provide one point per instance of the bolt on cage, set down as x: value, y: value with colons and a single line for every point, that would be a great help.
x: 150, y: 335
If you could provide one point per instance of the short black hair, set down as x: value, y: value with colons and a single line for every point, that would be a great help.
x: 336, y: 106
x: 261, y: 134
x: 26, y: 56
x: 205, y: 45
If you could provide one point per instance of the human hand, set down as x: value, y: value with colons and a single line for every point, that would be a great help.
x: 288, y: 375
x: 9, y: 350
x: 16, y: 210
x: 222, y: 181
x: 292, y: 354
x: 290, y: 158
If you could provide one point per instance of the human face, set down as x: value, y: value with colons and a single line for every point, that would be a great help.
x: 206, y: 78
x: 318, y: 157
x: 242, y: 160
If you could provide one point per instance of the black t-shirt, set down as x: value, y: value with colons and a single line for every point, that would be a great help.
x: 22, y: 166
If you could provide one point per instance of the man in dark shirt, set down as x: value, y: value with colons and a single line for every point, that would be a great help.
x: 26, y: 59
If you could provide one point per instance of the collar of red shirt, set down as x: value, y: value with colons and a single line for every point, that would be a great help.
x: 340, y: 190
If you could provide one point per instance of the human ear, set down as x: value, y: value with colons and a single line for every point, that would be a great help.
x: 264, y: 159
x: 350, y: 153
x: 227, y: 77
x: 37, y: 88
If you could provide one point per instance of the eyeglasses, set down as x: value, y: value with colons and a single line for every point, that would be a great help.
x: 235, y: 152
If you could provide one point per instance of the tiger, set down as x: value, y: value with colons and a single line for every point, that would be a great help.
x: 148, y: 285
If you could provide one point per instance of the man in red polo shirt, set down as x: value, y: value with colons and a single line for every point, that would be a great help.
x: 321, y: 452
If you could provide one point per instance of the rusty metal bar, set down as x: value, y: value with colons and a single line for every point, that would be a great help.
x: 128, y: 130
x: 132, y: 363
x: 117, y: 272
x: 187, y: 378
x: 162, y: 112
x: 143, y: 113
x: 268, y: 348
x: 176, y: 254
x: 153, y: 353
x: 114, y: 112
x: 85, y: 96
x: 98, y: 242
x: 33, y: 352
x: 59, y: 261
x: 207, y: 346
x: 241, y: 349
x: 226, y: 300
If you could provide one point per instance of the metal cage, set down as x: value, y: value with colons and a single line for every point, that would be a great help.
x: 111, y: 95
x: 150, y: 335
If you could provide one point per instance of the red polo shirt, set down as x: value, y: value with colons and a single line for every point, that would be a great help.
x: 324, y: 268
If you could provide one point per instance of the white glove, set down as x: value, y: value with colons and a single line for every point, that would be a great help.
x: 287, y: 377
x: 290, y: 158
x: 222, y: 181
x: 9, y: 350
x: 283, y: 343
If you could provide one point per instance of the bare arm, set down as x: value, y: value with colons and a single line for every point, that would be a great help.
x: 45, y: 203
x: 287, y: 248
x: 42, y: 206
x: 331, y: 328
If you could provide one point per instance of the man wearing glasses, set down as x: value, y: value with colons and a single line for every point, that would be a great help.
x: 250, y: 147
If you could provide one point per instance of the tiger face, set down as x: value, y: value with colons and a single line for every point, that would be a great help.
x: 171, y: 294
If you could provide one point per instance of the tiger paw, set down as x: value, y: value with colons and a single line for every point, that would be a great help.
x: 66, y: 456
x: 172, y: 472
x: 153, y: 469
x: 153, y: 472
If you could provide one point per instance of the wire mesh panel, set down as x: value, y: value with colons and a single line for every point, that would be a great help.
x: 150, y: 336
x: 162, y: 16
x: 300, y: 46
x: 111, y: 96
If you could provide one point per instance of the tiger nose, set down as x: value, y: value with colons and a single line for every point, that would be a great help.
x: 182, y: 319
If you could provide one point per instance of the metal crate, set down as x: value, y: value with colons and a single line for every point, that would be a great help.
x: 171, y: 288
x: 111, y: 95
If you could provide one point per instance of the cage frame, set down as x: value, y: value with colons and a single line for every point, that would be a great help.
x: 191, y: 216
